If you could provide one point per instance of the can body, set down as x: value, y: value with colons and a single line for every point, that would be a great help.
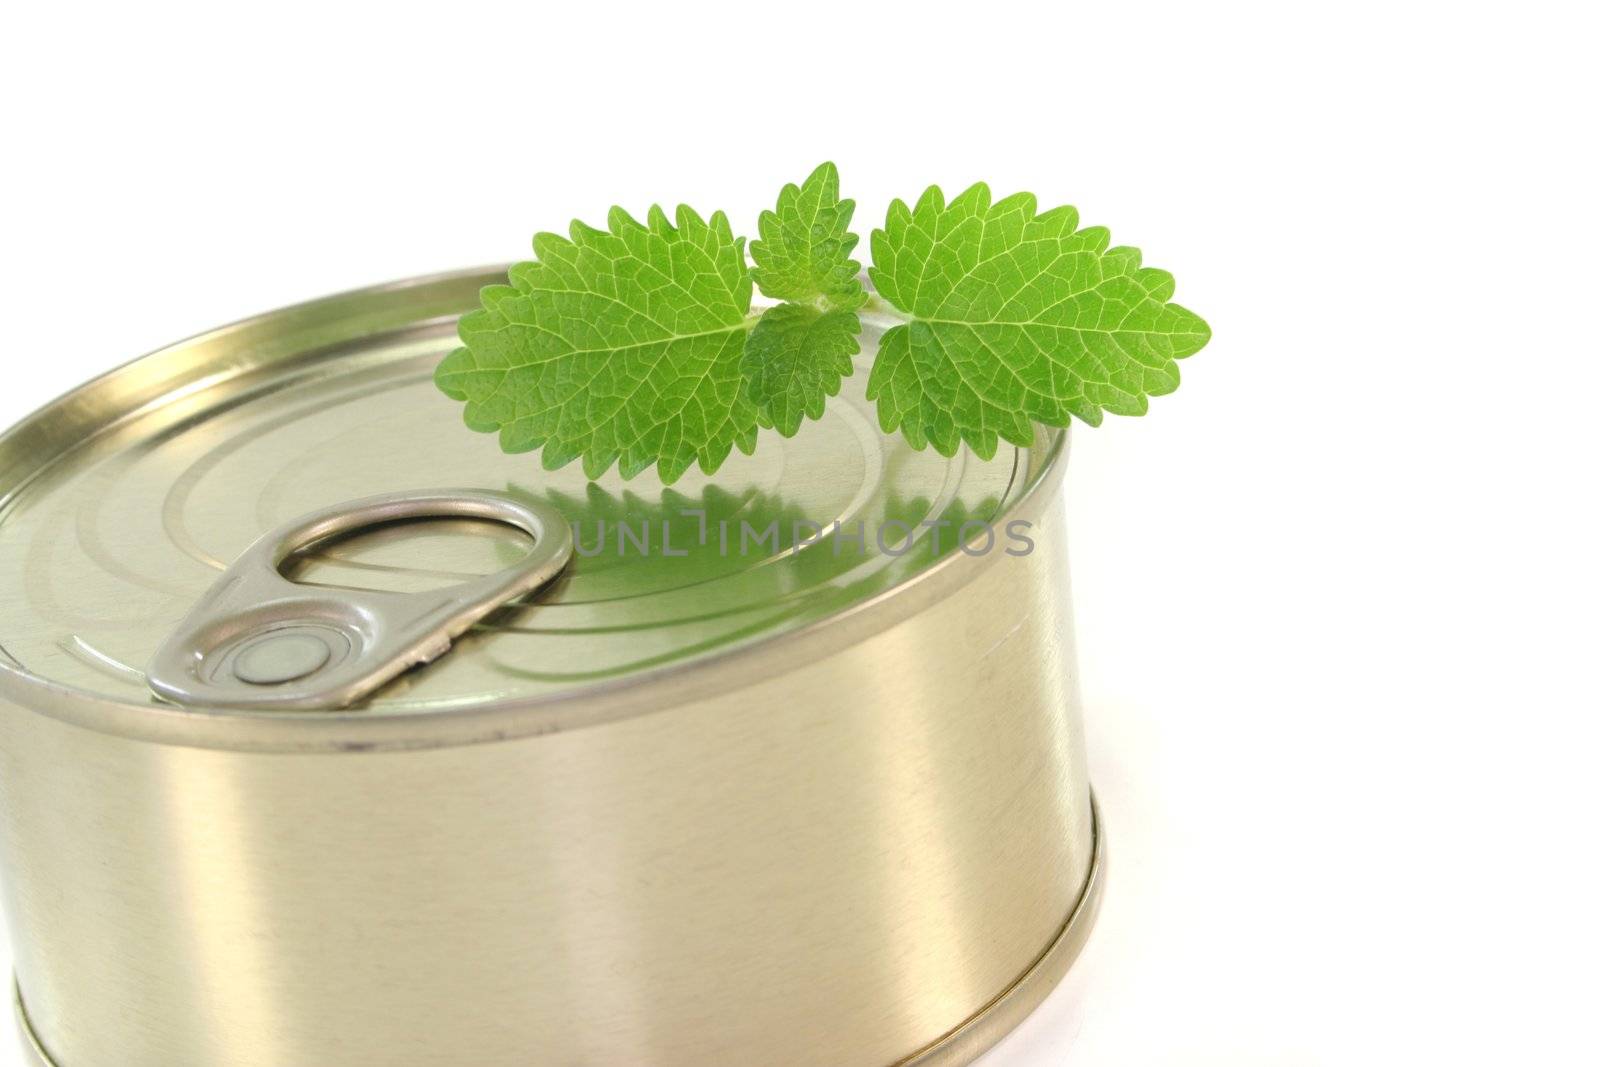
x: 837, y: 849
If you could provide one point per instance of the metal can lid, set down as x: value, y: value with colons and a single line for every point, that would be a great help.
x: 120, y: 504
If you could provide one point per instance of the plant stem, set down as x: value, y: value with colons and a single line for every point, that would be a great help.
x: 877, y: 305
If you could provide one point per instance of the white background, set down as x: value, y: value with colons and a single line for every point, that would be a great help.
x: 1336, y: 596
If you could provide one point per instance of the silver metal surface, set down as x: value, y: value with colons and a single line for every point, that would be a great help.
x: 960, y: 1046
x: 259, y: 640
x: 800, y: 805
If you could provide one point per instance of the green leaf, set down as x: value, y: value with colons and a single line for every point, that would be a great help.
x: 801, y: 350
x: 795, y: 359
x: 617, y: 346
x: 804, y: 251
x: 1016, y: 316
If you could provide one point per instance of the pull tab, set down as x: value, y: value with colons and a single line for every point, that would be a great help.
x: 258, y: 640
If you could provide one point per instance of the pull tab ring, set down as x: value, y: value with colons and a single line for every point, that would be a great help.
x: 258, y: 640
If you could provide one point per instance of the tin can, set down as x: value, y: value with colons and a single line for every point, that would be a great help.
x: 713, y: 794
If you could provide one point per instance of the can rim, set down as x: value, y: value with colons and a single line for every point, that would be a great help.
x: 493, y: 719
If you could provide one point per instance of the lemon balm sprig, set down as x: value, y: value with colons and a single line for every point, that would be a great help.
x: 635, y: 345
